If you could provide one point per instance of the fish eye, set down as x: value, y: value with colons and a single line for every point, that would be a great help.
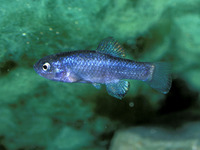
x: 46, y: 66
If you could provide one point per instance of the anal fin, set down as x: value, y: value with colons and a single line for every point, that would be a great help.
x: 118, y: 89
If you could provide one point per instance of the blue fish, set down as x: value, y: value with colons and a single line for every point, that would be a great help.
x: 105, y: 65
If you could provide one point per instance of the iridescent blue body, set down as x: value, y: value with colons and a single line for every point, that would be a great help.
x: 106, y: 65
x: 95, y: 67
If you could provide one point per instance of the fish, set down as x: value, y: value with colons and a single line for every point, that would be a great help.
x: 106, y: 65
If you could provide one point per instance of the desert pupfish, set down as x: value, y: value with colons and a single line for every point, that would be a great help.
x: 105, y: 65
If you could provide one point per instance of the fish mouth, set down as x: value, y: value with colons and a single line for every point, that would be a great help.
x: 35, y: 68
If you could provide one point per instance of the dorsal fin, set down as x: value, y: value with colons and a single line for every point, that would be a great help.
x: 112, y: 47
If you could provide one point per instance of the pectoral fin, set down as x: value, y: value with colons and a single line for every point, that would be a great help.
x: 118, y: 89
x: 97, y: 85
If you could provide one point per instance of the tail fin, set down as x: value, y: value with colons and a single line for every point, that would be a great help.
x: 161, y: 77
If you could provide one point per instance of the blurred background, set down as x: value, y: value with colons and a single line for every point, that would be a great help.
x: 39, y: 114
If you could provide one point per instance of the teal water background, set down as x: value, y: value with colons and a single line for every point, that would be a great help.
x: 39, y: 114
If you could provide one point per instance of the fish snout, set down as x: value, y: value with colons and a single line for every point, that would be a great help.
x: 35, y: 67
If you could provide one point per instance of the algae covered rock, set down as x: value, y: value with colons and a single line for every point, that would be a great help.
x: 39, y: 114
x: 75, y: 139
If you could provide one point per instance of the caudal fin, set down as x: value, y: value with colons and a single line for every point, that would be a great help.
x: 161, y: 77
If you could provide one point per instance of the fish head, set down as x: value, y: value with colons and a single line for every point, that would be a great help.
x: 49, y: 67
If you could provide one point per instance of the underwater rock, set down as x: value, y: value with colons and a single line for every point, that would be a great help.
x: 188, y: 48
x: 75, y: 140
x: 153, y: 138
